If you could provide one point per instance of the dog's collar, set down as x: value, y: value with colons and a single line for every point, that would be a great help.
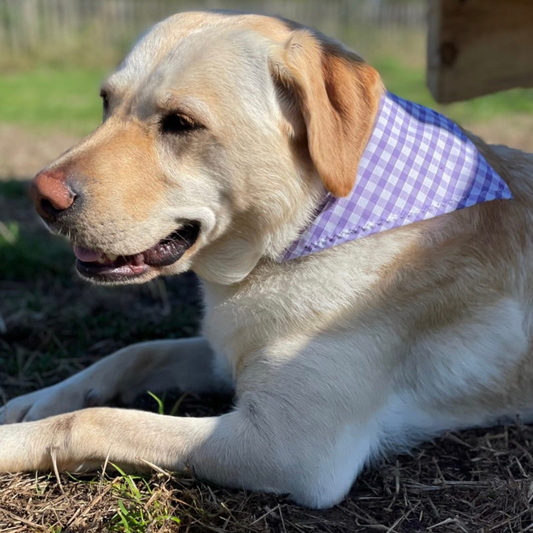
x: 417, y: 165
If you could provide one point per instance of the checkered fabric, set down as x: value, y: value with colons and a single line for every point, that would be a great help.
x: 416, y: 165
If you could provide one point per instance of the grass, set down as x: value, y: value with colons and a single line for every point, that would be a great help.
x: 66, y: 98
x: 120, y: 502
x: 60, y: 98
x: 31, y: 255
x: 139, y: 506
x: 409, y: 82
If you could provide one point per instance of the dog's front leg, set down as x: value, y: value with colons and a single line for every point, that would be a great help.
x: 232, y: 450
x: 188, y: 364
x: 304, y: 425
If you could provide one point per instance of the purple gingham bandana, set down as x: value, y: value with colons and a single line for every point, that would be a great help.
x: 417, y: 165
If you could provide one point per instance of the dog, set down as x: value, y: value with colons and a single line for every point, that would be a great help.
x: 225, y: 137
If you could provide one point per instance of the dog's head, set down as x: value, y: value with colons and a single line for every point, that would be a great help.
x: 220, y: 132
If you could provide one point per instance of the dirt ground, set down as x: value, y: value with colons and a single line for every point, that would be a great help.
x: 52, y: 325
x: 512, y: 130
x: 472, y: 482
x: 24, y: 152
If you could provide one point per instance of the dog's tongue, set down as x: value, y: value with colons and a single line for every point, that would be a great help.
x: 86, y: 255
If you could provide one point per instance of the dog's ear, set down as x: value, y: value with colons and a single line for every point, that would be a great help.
x: 338, y: 97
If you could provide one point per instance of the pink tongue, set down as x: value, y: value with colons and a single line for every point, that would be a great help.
x: 87, y: 256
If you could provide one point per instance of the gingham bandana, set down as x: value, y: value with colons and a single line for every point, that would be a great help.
x: 417, y: 165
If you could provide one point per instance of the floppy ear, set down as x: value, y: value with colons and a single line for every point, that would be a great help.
x: 338, y: 95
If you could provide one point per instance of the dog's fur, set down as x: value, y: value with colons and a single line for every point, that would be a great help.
x: 334, y: 357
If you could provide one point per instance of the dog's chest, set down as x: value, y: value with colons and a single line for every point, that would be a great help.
x: 283, y: 302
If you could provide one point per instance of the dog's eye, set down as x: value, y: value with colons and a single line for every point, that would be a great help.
x: 105, y: 100
x: 176, y: 123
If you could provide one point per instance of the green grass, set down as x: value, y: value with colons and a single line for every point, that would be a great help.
x: 409, y: 82
x: 12, y: 190
x: 58, y: 98
x: 26, y: 254
x: 132, y: 515
x: 67, y: 98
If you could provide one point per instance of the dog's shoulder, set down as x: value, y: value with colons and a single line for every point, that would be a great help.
x: 514, y: 166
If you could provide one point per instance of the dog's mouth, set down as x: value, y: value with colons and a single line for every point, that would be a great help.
x: 106, y: 267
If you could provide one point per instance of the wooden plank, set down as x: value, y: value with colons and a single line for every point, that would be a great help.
x: 478, y: 47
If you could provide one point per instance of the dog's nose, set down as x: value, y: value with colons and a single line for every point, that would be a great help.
x: 52, y: 194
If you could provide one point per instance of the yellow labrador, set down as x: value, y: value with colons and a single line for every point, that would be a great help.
x: 221, y: 133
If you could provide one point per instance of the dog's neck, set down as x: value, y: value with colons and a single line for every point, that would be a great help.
x: 417, y: 165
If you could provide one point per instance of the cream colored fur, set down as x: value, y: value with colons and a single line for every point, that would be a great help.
x: 335, y: 357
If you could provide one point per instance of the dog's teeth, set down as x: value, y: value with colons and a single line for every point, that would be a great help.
x: 101, y: 260
x: 112, y: 257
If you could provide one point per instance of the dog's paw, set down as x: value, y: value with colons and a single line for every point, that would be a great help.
x: 50, y: 401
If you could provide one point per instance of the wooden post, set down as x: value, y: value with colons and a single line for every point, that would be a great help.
x: 477, y: 47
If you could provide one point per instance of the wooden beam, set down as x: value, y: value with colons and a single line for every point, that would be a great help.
x: 478, y: 47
